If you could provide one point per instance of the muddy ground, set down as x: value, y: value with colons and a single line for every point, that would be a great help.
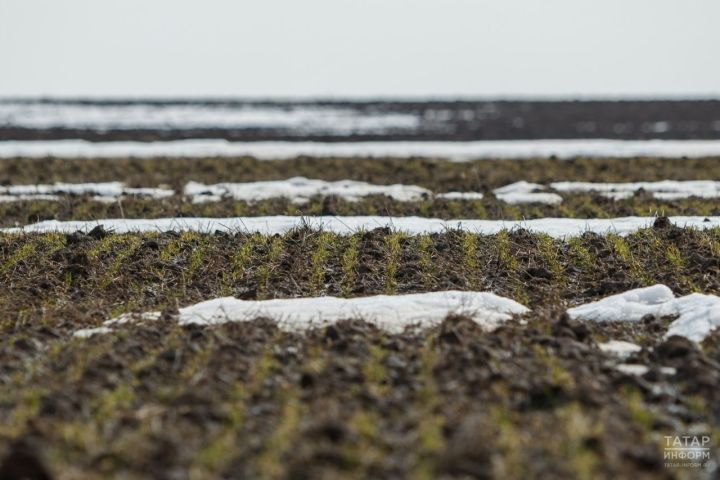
x: 448, y: 121
x: 16, y: 214
x: 51, y: 278
x: 436, y: 174
x: 536, y: 398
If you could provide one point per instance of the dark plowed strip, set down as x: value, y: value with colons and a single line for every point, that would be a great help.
x: 15, y: 214
x: 246, y: 401
x: 437, y: 175
x: 84, y: 278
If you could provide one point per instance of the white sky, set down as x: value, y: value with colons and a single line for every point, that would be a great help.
x: 360, y: 48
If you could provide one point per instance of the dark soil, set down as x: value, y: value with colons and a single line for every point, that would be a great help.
x: 81, y: 279
x: 16, y: 214
x: 536, y: 398
x: 248, y: 401
x: 437, y: 175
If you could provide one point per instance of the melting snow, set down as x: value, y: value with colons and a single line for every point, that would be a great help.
x: 619, y: 348
x: 392, y: 313
x: 525, y: 192
x: 664, y: 190
x: 632, y: 369
x: 301, y: 190
x: 697, y: 314
x: 555, y: 227
x: 21, y: 198
x: 107, y: 189
x: 89, y: 332
x: 456, y: 151
x: 460, y: 196
x: 640, y: 370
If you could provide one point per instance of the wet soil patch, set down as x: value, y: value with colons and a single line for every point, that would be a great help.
x: 244, y: 400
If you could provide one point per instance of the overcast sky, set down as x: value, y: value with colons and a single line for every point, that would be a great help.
x: 366, y: 48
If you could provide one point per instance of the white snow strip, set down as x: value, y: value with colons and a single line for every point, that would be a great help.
x: 640, y: 370
x: 392, y: 313
x: 89, y: 332
x: 525, y: 192
x: 697, y: 314
x: 456, y: 151
x: 533, y: 197
x: 460, y: 196
x: 21, y: 198
x: 664, y: 190
x: 519, y: 187
x: 632, y: 369
x: 301, y: 190
x: 299, y: 118
x: 555, y: 227
x: 106, y: 189
x: 617, y: 195
x: 619, y: 348
x: 629, y: 306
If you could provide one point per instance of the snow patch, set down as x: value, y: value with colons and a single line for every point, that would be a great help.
x: 455, y: 151
x: 697, y: 314
x: 663, y: 190
x: 460, y: 196
x: 632, y: 369
x: 555, y: 227
x: 23, y: 198
x: 300, y: 190
x: 107, y: 326
x: 392, y: 313
x: 106, y: 190
x: 89, y: 332
x: 525, y: 192
x: 619, y: 348
x: 629, y: 306
x: 640, y: 370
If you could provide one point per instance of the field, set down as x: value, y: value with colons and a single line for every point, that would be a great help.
x: 537, y: 397
x: 106, y: 373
